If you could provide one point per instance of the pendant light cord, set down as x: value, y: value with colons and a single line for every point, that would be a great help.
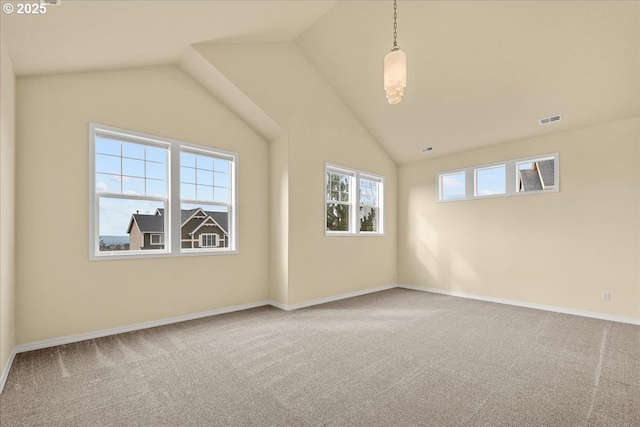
x: 395, y: 23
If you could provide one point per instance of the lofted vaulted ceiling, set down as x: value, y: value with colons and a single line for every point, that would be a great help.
x: 480, y: 73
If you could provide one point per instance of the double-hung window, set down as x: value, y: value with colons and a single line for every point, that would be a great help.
x: 353, y: 202
x: 151, y: 196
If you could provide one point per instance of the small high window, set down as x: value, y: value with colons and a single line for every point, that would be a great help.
x: 536, y: 175
x: 452, y: 186
x: 530, y: 175
x: 491, y: 181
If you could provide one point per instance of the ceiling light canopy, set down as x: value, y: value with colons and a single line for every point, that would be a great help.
x: 395, y: 66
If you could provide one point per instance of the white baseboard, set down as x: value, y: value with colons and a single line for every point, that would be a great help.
x: 289, y: 307
x: 279, y: 305
x: 136, y: 327
x: 7, y: 368
x: 601, y: 316
x: 37, y: 345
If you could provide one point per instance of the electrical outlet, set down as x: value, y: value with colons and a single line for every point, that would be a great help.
x: 606, y: 296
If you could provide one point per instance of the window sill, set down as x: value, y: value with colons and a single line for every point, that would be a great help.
x: 115, y: 256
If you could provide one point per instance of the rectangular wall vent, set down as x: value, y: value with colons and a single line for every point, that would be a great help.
x: 550, y: 119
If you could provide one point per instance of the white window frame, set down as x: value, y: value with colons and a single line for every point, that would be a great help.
x: 216, y: 241
x: 172, y: 238
x: 161, y: 238
x: 511, y: 178
x: 439, y: 180
x: 230, y: 206
x: 354, y: 201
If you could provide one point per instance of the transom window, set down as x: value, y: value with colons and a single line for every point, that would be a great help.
x: 490, y: 181
x: 530, y: 175
x: 353, y: 202
x: 452, y: 186
x: 152, y: 196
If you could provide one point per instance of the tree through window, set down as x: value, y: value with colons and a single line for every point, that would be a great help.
x: 353, y: 202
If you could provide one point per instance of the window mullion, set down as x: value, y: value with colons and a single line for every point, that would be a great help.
x: 174, y: 237
x: 355, y: 203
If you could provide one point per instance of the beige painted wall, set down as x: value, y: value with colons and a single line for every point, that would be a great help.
x: 561, y: 249
x: 279, y: 236
x: 283, y: 82
x: 7, y: 206
x: 60, y: 292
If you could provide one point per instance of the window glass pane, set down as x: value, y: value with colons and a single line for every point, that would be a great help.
x: 204, y: 162
x: 123, y: 174
x: 156, y: 170
x: 536, y: 175
x: 126, y: 225
x: 202, y: 222
x: 187, y: 159
x: 107, y: 146
x: 108, y: 183
x: 204, y: 192
x: 135, y: 151
x: 221, y: 194
x: 221, y: 179
x: 156, y: 188
x: 452, y: 186
x: 188, y: 191
x: 133, y: 186
x: 132, y: 167
x: 204, y: 177
x: 368, y: 219
x: 337, y: 217
x: 337, y: 186
x: 368, y: 192
x: 158, y: 155
x: 107, y: 164
x: 220, y: 165
x: 188, y: 175
x: 490, y: 181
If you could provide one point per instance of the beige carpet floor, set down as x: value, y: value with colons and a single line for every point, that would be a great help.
x: 393, y: 358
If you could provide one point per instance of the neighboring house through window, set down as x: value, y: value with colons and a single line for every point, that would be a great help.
x: 195, y: 223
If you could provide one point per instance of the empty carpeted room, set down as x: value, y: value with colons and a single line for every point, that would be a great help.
x: 320, y: 213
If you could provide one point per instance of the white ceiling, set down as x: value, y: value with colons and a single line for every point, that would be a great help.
x: 480, y: 73
x: 89, y: 35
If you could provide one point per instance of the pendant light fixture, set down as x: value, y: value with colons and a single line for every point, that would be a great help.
x: 395, y: 66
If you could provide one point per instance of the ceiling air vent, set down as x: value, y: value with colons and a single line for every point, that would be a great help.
x: 426, y: 149
x: 550, y: 119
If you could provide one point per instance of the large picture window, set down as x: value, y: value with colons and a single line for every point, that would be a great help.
x: 152, y: 196
x: 353, y: 202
